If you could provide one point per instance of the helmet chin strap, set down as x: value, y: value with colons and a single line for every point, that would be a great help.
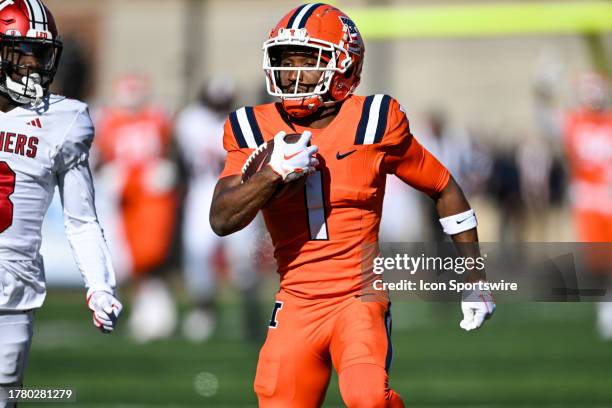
x: 29, y: 91
x: 329, y: 104
x: 299, y: 108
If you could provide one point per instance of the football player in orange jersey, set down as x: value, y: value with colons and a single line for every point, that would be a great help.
x: 134, y: 144
x: 588, y: 145
x: 349, y: 143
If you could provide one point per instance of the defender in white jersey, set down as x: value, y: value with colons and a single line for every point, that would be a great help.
x: 44, y: 143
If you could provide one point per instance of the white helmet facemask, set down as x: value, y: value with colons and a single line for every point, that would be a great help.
x: 299, y: 37
x: 28, y: 91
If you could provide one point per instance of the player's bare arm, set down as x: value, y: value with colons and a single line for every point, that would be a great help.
x: 452, y: 201
x: 282, y: 160
x: 454, y: 211
x: 235, y: 204
x: 419, y: 168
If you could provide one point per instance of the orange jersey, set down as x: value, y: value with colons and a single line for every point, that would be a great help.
x: 319, y: 233
x: 137, y: 142
x: 589, y: 145
x: 588, y: 141
x: 133, y: 138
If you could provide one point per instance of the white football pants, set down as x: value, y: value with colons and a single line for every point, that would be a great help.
x: 15, y: 340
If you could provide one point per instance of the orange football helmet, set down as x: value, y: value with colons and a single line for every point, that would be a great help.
x: 335, y: 40
x: 27, y: 33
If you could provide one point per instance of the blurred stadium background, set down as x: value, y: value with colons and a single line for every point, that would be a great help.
x: 486, y: 85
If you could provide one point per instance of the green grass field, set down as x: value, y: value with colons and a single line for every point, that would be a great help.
x: 529, y: 355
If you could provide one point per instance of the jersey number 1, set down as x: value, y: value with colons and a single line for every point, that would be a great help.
x: 315, y: 207
x: 7, y: 187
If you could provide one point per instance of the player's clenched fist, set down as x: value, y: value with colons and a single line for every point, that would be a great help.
x: 477, y: 306
x: 293, y: 160
x: 106, y: 309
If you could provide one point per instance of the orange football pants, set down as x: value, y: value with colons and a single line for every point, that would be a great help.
x: 306, y: 337
x: 595, y: 227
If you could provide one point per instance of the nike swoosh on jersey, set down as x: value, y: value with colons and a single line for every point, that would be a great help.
x: 341, y: 156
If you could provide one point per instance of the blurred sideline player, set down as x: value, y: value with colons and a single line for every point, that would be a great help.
x: 133, y: 146
x: 44, y: 143
x: 198, y: 131
x: 321, y: 232
x: 588, y: 143
x: 450, y: 147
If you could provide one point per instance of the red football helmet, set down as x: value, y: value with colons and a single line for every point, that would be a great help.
x: 29, y: 50
x: 335, y: 40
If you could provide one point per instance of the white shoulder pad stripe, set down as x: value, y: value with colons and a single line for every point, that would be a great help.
x: 373, y: 119
x: 373, y: 122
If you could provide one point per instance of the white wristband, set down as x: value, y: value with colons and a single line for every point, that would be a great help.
x: 457, y: 223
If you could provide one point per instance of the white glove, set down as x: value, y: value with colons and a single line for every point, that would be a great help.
x: 106, y: 309
x: 477, y: 306
x: 293, y: 160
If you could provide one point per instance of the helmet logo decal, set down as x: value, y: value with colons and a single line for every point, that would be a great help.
x: 300, y: 35
x: 351, y: 35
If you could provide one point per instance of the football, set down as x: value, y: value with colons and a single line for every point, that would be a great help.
x: 261, y: 156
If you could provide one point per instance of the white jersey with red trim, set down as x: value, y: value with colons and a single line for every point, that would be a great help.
x: 41, y: 148
x: 36, y: 144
